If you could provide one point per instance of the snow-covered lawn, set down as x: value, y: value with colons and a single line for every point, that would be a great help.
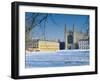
x: 57, y: 59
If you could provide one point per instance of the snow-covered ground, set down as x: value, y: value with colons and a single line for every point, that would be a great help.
x: 57, y: 59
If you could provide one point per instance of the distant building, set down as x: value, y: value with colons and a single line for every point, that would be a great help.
x: 44, y: 45
x: 62, y: 45
x: 73, y: 37
x: 83, y: 44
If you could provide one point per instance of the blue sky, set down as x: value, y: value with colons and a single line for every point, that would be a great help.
x: 54, y: 30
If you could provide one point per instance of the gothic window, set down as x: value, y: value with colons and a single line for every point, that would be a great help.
x: 70, y: 39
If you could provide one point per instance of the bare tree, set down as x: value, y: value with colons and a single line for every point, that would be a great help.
x: 31, y: 21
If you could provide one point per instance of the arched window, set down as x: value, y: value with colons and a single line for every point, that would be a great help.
x: 70, y: 39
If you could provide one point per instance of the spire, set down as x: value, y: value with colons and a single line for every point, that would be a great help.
x: 73, y: 35
x: 65, y: 28
x: 73, y: 28
x: 65, y: 31
x: 81, y: 30
x: 65, y: 36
